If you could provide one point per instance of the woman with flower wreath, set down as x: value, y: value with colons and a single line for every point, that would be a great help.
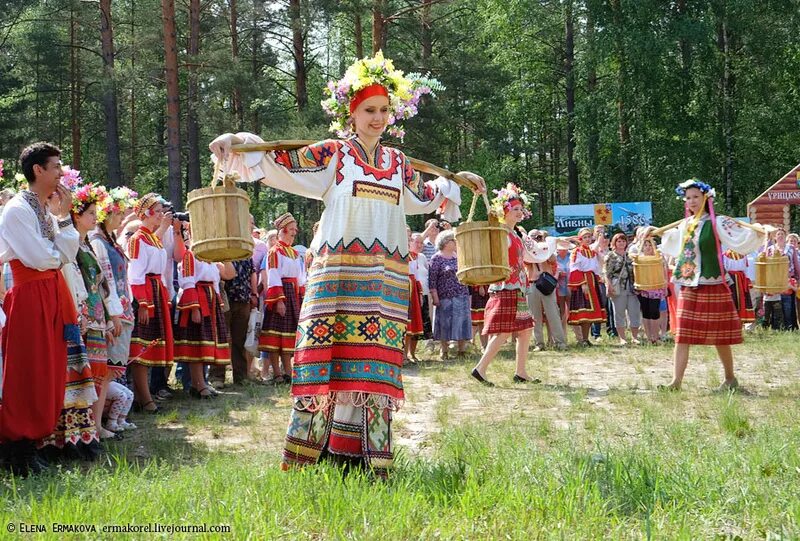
x: 347, y: 375
x: 706, y: 313
x: 114, y: 264
x: 507, y: 308
x: 103, y: 317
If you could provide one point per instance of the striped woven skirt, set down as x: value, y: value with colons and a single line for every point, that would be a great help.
x: 97, y: 352
x: 279, y: 333
x: 478, y: 304
x: 152, y: 344
x: 707, y: 316
x: 740, y: 290
x: 506, y: 312
x: 349, y: 433
x: 206, y: 342
x: 589, y: 307
x: 75, y: 433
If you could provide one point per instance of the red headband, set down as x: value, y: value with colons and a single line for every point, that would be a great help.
x: 367, y: 92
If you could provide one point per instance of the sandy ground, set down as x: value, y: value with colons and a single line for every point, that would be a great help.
x: 600, y: 384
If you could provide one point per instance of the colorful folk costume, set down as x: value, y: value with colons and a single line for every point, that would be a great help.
x: 349, y: 352
x: 151, y: 344
x: 415, y: 328
x: 206, y: 342
x: 75, y: 434
x: 41, y: 317
x: 478, y: 303
x: 114, y: 264
x: 706, y: 313
x: 740, y: 275
x: 286, y: 281
x: 507, y: 308
x: 587, y: 302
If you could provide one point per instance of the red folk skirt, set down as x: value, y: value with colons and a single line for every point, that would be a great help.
x: 152, y: 344
x: 279, y: 333
x: 35, y: 353
x: 741, y: 297
x: 506, y: 312
x: 205, y: 342
x: 707, y: 316
x: 587, y: 308
x: 415, y: 328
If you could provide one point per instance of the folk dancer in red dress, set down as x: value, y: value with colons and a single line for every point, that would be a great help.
x: 201, y: 333
x: 36, y: 244
x: 151, y: 342
x: 740, y: 274
x: 507, y: 308
x: 706, y: 313
x: 347, y: 375
x: 415, y: 329
x: 285, y: 271
x: 587, y: 304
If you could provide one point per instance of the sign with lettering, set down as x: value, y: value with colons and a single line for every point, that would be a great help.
x: 625, y: 217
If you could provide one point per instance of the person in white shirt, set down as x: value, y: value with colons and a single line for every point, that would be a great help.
x: 37, y: 244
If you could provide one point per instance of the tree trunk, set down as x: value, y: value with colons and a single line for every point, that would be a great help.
x: 624, y: 186
x: 378, y: 26
x: 132, y: 157
x: 75, y: 89
x: 686, y: 64
x: 173, y: 104
x: 110, y: 96
x: 299, y: 54
x: 426, y: 32
x: 192, y: 126
x: 258, y: 39
x: 359, y: 34
x: 569, y: 74
x: 238, y: 108
x: 726, y: 121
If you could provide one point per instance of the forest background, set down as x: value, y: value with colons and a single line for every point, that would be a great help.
x: 580, y: 101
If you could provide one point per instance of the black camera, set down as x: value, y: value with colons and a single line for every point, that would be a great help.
x: 181, y: 216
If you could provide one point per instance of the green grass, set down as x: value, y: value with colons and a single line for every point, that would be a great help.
x: 554, y: 462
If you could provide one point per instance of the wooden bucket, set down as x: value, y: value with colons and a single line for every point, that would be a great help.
x: 482, y: 249
x: 648, y: 272
x: 220, y: 217
x: 772, y: 274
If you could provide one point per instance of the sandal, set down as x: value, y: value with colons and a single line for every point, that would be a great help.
x: 198, y: 394
x: 139, y: 408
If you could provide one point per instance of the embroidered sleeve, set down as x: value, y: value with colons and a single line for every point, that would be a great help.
x: 736, y: 237
x: 274, y: 281
x: 307, y: 172
x: 112, y: 300
x: 187, y: 280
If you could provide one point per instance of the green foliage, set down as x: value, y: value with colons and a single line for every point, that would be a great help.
x: 654, y: 68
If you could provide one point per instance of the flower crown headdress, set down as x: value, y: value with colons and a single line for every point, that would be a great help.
x: 504, y: 197
x: 71, y: 178
x: 118, y: 200
x: 695, y: 183
x: 85, y: 196
x: 366, y: 77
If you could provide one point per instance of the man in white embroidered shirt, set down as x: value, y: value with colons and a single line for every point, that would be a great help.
x: 41, y: 313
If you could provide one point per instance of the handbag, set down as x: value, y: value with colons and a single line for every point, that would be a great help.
x: 546, y: 283
x: 253, y: 331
